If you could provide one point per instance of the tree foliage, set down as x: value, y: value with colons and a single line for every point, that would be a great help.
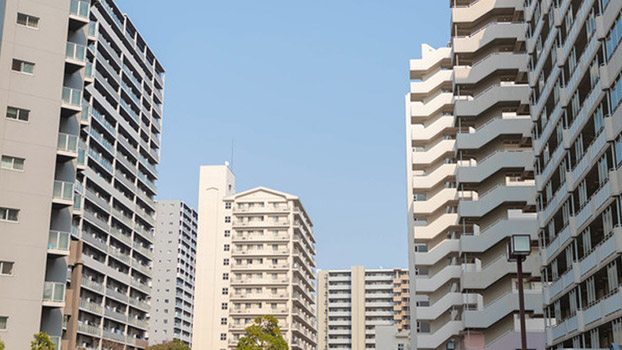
x: 42, y: 341
x: 1, y: 345
x: 175, y: 344
x: 264, y: 334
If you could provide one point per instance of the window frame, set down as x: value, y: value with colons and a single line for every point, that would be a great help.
x: 21, y: 65
x: 12, y: 269
x: 27, y: 24
x: 12, y: 159
x: 7, y: 210
x: 18, y: 113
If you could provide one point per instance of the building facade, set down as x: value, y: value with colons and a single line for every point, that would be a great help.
x: 255, y: 256
x: 39, y: 163
x: 353, y: 303
x: 574, y: 75
x: 471, y: 183
x: 174, y: 265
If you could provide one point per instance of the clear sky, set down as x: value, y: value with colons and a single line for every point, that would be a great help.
x: 311, y: 92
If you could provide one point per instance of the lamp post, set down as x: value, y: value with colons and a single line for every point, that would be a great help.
x: 518, y: 248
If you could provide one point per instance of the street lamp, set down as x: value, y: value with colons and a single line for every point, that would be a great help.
x: 518, y: 248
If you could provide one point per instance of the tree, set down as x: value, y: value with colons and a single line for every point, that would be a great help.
x: 110, y: 345
x: 263, y: 335
x: 42, y: 341
x: 175, y: 344
x: 1, y: 345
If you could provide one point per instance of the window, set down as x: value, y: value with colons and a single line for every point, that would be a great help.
x: 224, y: 306
x: 227, y: 247
x: 225, y: 276
x: 3, y: 322
x: 17, y: 113
x: 228, y: 205
x: 8, y: 214
x: 223, y: 336
x: 400, y: 346
x: 227, y: 219
x: 223, y: 321
x: 27, y: 20
x: 227, y: 233
x: 225, y: 262
x: 12, y: 163
x: 225, y: 291
x: 6, y: 268
x: 23, y: 66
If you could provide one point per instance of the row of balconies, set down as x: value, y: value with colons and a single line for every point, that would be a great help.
x: 581, y: 270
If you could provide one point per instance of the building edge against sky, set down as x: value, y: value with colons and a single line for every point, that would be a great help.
x: 255, y: 256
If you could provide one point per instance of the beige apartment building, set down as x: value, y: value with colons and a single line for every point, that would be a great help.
x: 255, y: 256
x: 575, y: 66
x: 81, y: 100
x: 471, y: 184
x: 353, y: 303
x: 38, y: 150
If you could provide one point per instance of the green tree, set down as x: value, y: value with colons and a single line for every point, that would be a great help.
x: 263, y: 335
x: 1, y: 345
x: 175, y: 344
x: 42, y: 341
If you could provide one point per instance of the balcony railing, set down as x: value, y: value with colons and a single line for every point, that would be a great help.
x: 92, y: 29
x: 58, y: 241
x: 75, y: 52
x: 88, y: 72
x: 67, y: 143
x: 63, y: 190
x: 54, y: 292
x: 103, y: 161
x: 72, y: 97
x: 92, y: 284
x: 79, y: 8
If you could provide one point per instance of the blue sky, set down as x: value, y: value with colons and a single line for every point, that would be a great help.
x: 311, y: 92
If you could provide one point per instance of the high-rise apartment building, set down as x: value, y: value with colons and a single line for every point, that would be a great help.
x: 471, y: 183
x: 352, y: 303
x: 174, y: 262
x: 255, y: 256
x: 113, y: 225
x: 574, y: 74
x: 39, y: 127
x: 81, y: 109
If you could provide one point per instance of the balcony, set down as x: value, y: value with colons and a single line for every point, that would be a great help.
x: 141, y: 304
x: 472, y: 106
x: 93, y: 285
x: 433, y: 203
x: 490, y: 130
x: 94, y: 308
x: 434, y: 153
x: 72, y: 99
x: 67, y: 145
x: 496, y: 233
x: 420, y: 133
x: 488, y: 34
x: 89, y: 329
x: 54, y: 294
x: 63, y: 193
x: 495, y: 197
x: 437, y: 226
x: 79, y: 11
x: 489, y: 65
x: 75, y: 54
x: 433, y: 283
x: 58, y: 243
x: 476, y: 9
x: 437, y: 309
x: 425, y: 110
x: 501, y: 307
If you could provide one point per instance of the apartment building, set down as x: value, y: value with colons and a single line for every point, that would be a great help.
x: 471, y: 183
x: 255, y: 256
x: 574, y: 75
x: 174, y: 262
x: 112, y: 99
x: 353, y: 303
x: 39, y: 161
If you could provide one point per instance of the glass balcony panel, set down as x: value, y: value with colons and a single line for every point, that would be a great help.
x: 63, y: 190
x: 54, y: 292
x: 58, y: 240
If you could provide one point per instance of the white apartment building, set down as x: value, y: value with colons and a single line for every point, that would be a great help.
x: 255, y: 256
x: 575, y: 66
x: 174, y: 267
x: 470, y: 183
x: 353, y: 303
